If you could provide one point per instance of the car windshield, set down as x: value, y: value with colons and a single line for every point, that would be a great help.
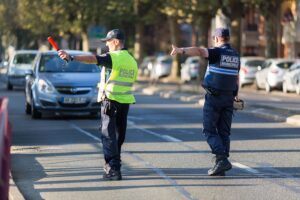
x: 285, y: 65
x: 195, y: 61
x: 21, y: 60
x: 54, y: 64
x: 167, y: 61
x: 254, y: 63
x: 266, y: 64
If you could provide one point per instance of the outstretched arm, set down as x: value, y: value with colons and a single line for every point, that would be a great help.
x: 88, y: 59
x: 190, y: 51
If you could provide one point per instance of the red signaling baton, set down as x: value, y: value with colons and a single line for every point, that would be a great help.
x: 51, y: 41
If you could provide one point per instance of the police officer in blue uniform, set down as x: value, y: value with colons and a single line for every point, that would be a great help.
x: 221, y: 85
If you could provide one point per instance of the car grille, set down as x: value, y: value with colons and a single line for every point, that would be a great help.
x: 74, y: 105
x: 73, y: 90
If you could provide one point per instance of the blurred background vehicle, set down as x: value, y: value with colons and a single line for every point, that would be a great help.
x: 190, y: 69
x: 272, y: 72
x: 3, y: 67
x: 54, y: 85
x: 146, y: 66
x: 18, y: 66
x: 249, y: 67
x: 162, y: 67
x: 291, y: 78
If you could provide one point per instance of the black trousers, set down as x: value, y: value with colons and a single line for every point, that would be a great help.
x: 217, y: 118
x: 113, y: 131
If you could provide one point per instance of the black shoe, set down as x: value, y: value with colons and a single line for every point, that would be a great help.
x: 112, y: 175
x: 220, y: 174
x: 222, y: 165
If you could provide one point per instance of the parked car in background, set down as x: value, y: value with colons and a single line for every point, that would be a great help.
x: 3, y: 67
x: 249, y: 67
x: 146, y: 66
x: 298, y: 88
x: 271, y: 76
x: 18, y: 66
x: 190, y: 68
x: 162, y: 67
x: 54, y: 85
x: 291, y: 78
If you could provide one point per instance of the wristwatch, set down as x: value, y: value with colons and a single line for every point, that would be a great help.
x: 183, y: 51
x: 71, y: 58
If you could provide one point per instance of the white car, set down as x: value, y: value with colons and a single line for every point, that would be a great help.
x: 161, y: 67
x: 190, y: 68
x: 249, y: 67
x: 272, y: 72
x: 291, y: 78
x: 18, y: 66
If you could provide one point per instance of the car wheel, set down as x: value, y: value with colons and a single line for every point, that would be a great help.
x: 298, y: 89
x: 284, y: 88
x: 35, y: 114
x: 268, y: 88
x: 27, y: 108
x: 9, y: 86
x: 257, y: 86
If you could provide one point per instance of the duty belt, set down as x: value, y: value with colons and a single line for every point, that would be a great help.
x: 215, y: 92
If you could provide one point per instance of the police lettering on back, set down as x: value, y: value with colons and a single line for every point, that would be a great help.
x: 230, y: 61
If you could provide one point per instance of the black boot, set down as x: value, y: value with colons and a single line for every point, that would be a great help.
x: 221, y: 165
x: 111, y: 174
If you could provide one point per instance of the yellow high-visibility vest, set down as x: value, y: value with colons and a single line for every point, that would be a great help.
x: 124, y: 73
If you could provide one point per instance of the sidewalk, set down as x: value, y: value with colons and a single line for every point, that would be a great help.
x: 14, y: 193
x: 195, y: 94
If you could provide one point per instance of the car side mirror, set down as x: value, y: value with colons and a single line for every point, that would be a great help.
x: 4, y: 64
x: 29, y: 72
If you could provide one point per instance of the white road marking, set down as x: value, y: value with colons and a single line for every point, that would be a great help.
x: 135, y: 118
x: 165, y: 137
x: 160, y: 172
x: 85, y: 132
x: 245, y: 167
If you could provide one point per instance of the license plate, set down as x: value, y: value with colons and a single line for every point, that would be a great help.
x: 74, y: 100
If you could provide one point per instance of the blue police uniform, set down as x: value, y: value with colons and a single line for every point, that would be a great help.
x: 220, y: 82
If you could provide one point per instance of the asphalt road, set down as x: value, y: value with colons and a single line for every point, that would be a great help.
x: 165, y: 156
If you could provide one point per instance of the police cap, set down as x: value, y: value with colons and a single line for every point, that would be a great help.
x: 222, y: 32
x: 114, y: 34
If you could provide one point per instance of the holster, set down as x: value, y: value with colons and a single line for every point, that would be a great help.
x: 109, y: 108
x: 238, y: 105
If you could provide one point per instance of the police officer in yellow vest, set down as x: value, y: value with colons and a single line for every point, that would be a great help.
x: 115, y: 95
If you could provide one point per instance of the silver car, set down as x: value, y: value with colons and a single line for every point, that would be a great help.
x: 161, y: 67
x: 190, y: 68
x: 291, y: 78
x: 272, y: 72
x: 18, y: 66
x: 57, y: 86
x: 249, y: 67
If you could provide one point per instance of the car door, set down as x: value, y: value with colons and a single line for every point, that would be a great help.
x: 30, y: 79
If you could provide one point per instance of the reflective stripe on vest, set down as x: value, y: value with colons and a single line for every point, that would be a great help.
x: 223, y: 71
x: 120, y: 83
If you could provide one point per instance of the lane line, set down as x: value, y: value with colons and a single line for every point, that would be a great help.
x: 245, y: 167
x: 171, y: 181
x: 164, y: 137
x: 173, y: 139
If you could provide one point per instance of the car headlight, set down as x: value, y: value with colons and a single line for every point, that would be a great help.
x: 45, y: 87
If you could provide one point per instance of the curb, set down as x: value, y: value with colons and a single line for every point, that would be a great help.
x: 198, y: 99
x: 14, y: 192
